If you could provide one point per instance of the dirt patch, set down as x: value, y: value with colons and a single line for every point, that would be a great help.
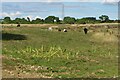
x: 15, y: 74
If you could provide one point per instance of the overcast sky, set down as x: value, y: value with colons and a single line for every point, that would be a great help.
x: 73, y: 8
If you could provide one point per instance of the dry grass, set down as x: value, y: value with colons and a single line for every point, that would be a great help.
x: 56, y: 25
x: 9, y: 29
x: 26, y: 25
x: 105, y: 37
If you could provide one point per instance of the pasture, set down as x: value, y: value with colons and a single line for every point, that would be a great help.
x: 36, y: 52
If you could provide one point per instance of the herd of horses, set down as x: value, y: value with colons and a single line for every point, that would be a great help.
x: 85, y: 29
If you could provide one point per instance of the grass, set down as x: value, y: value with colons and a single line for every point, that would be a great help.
x: 54, y: 54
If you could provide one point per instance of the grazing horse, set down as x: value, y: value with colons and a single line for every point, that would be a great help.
x: 59, y: 29
x: 85, y: 30
x: 50, y: 28
x: 18, y: 25
x: 64, y: 30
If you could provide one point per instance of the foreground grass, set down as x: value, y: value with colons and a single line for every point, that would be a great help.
x: 57, y: 54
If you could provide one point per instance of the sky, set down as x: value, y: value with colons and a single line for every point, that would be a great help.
x: 74, y: 8
x: 108, y: 1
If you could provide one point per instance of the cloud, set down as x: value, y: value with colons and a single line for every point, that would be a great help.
x: 30, y: 1
x: 4, y: 14
x: 110, y: 2
x: 59, y: 0
x: 89, y: 0
x: 51, y: 0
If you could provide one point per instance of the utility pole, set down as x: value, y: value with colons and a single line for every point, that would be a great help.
x: 63, y: 11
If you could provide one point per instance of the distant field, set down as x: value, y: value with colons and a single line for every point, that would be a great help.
x: 36, y: 52
x: 55, y: 25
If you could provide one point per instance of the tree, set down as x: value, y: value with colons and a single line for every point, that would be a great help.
x: 19, y: 20
x: 69, y: 20
x: 37, y: 21
x: 86, y: 20
x: 28, y: 19
x: 57, y: 20
x: 1, y: 21
x: 24, y: 21
x: 7, y: 20
x: 50, y: 19
x: 80, y: 21
x: 104, y: 18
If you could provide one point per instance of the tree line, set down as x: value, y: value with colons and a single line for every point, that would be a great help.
x: 56, y: 20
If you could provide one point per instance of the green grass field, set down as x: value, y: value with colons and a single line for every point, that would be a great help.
x: 34, y: 52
